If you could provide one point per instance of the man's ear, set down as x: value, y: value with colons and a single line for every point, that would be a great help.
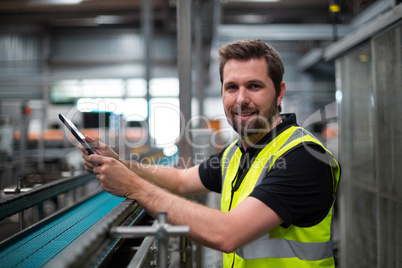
x: 281, y: 94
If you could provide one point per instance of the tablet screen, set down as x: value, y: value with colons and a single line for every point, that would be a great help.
x: 78, y: 135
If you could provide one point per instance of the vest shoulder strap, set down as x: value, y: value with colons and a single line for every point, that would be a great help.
x: 226, y: 157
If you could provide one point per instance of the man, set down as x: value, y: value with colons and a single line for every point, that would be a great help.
x: 277, y: 181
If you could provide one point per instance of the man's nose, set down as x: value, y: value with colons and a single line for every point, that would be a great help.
x: 242, y: 96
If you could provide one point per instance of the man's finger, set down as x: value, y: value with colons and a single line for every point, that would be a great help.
x: 90, y: 170
x: 88, y: 164
x: 93, y: 142
x: 96, y: 159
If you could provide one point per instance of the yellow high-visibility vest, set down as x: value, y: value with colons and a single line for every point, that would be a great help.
x: 281, y: 247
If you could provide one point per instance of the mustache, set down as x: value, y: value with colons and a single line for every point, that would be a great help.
x: 243, y: 108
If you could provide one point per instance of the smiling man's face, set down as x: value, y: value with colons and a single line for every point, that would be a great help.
x: 249, y: 99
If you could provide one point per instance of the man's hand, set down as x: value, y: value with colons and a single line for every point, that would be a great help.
x: 99, y: 148
x: 114, y: 176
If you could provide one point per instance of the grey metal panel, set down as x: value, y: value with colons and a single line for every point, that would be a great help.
x: 21, y: 57
x: 387, y: 65
x: 370, y: 152
x: 390, y: 233
x: 387, y: 81
x: 358, y: 198
x: 109, y: 46
x: 362, y: 227
x: 97, y: 45
x: 110, y: 54
x: 398, y: 234
x: 20, y: 47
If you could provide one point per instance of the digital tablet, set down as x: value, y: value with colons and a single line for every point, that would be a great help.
x: 78, y: 135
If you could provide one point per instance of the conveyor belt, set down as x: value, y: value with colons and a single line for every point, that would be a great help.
x: 45, y: 241
x: 37, y: 195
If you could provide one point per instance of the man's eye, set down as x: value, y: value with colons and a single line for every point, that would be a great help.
x: 255, y: 86
x: 232, y: 87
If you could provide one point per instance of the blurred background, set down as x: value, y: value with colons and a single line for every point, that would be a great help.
x: 142, y: 76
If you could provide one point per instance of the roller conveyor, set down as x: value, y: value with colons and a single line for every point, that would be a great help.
x: 77, y: 236
x: 44, y: 242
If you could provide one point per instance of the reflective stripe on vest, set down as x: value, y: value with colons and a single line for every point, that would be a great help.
x: 294, y: 244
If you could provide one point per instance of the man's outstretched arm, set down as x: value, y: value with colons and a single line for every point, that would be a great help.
x: 179, y: 181
x: 224, y: 231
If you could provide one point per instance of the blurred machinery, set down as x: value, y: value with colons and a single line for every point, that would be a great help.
x: 54, y: 213
x: 76, y: 235
x: 70, y: 223
x: 14, y: 144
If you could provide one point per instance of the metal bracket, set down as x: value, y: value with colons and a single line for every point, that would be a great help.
x: 162, y: 230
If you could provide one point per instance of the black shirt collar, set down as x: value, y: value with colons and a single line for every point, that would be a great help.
x: 288, y: 120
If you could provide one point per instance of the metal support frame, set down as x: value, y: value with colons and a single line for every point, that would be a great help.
x: 23, y: 124
x: 144, y: 257
x: 147, y: 31
x: 184, y: 67
x: 162, y: 230
x: 199, y: 63
x: 184, y: 23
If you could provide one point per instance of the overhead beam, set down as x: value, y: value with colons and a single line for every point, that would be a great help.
x: 311, y: 58
x: 282, y: 32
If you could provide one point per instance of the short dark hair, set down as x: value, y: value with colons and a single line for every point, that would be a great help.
x: 254, y: 49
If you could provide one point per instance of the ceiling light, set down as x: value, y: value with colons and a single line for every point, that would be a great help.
x: 247, y: 1
x: 55, y: 2
x: 252, y: 18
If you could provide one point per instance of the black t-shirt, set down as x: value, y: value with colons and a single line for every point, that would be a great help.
x: 298, y: 187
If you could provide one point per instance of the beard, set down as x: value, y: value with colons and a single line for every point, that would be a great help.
x: 257, y: 126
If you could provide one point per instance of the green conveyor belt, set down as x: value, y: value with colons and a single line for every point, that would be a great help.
x: 40, y: 244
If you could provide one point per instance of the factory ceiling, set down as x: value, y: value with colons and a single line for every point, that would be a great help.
x: 304, y: 25
x: 55, y: 13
